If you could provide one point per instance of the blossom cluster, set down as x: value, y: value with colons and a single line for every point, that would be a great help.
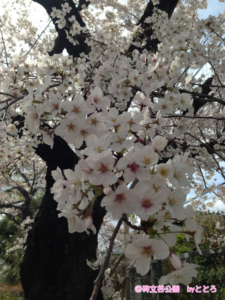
x: 19, y: 242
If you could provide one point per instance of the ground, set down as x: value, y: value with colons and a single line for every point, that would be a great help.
x: 11, y: 292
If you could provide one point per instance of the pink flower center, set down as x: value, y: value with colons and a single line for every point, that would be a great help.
x: 146, y: 203
x: 83, y: 133
x: 76, y: 109
x: 35, y: 116
x: 147, y: 251
x: 94, y: 121
x: 96, y: 100
x: 142, y: 105
x: 133, y: 167
x: 131, y: 122
x: 70, y: 127
x: 103, y: 168
x: 120, y: 198
x: 55, y: 106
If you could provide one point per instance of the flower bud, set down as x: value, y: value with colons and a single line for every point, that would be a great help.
x: 86, y: 170
x: 175, y: 261
x: 88, y: 222
x: 107, y: 190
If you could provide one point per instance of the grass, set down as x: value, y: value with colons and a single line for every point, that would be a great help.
x: 9, y: 297
x: 11, y: 292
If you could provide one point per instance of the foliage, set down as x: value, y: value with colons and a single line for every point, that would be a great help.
x: 11, y: 292
x: 12, y: 238
x: 12, y: 260
x: 9, y: 297
x: 11, y: 267
x: 21, y: 198
x: 182, y: 246
x: 211, y: 268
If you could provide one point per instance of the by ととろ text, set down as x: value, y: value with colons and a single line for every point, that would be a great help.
x: 173, y: 289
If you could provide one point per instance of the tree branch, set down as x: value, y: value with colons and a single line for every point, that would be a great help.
x: 11, y: 217
x: 9, y: 205
x: 165, y: 5
x: 104, y: 266
x: 202, y: 96
x: 61, y: 41
x: 116, y: 264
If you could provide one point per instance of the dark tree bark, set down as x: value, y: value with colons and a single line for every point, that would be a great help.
x: 198, y: 103
x: 54, y: 265
x: 151, y: 44
x: 165, y: 5
x: 61, y: 41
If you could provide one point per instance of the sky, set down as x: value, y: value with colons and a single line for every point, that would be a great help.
x: 219, y: 204
x: 214, y: 8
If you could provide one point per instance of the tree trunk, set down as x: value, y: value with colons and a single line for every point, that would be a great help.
x: 54, y: 264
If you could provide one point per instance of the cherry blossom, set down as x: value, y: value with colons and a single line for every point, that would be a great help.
x: 148, y: 201
x: 75, y: 224
x: 75, y: 183
x: 147, y: 157
x: 97, y: 145
x: 120, y: 141
x: 54, y: 105
x: 119, y: 202
x: 175, y: 203
x: 183, y: 275
x: 68, y: 129
x: 142, y: 248
x: 97, y: 99
x: 132, y: 169
x: 159, y: 143
x: 101, y: 169
x: 77, y: 108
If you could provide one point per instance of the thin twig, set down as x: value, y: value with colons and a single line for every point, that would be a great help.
x: 11, y: 103
x: 202, y: 96
x: 116, y: 264
x: 194, y: 117
x: 104, y: 266
x: 219, y: 86
x: 215, y: 72
x: 6, y: 57
x: 1, y: 93
x: 38, y: 38
x: 134, y: 226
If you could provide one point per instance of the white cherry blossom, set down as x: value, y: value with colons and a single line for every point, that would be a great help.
x: 159, y: 143
x: 101, y: 167
x: 97, y: 145
x: 142, y: 248
x: 148, y: 201
x: 183, y: 275
x: 77, y: 108
x: 75, y: 224
x: 97, y: 99
x: 132, y: 169
x: 119, y: 139
x: 120, y: 201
